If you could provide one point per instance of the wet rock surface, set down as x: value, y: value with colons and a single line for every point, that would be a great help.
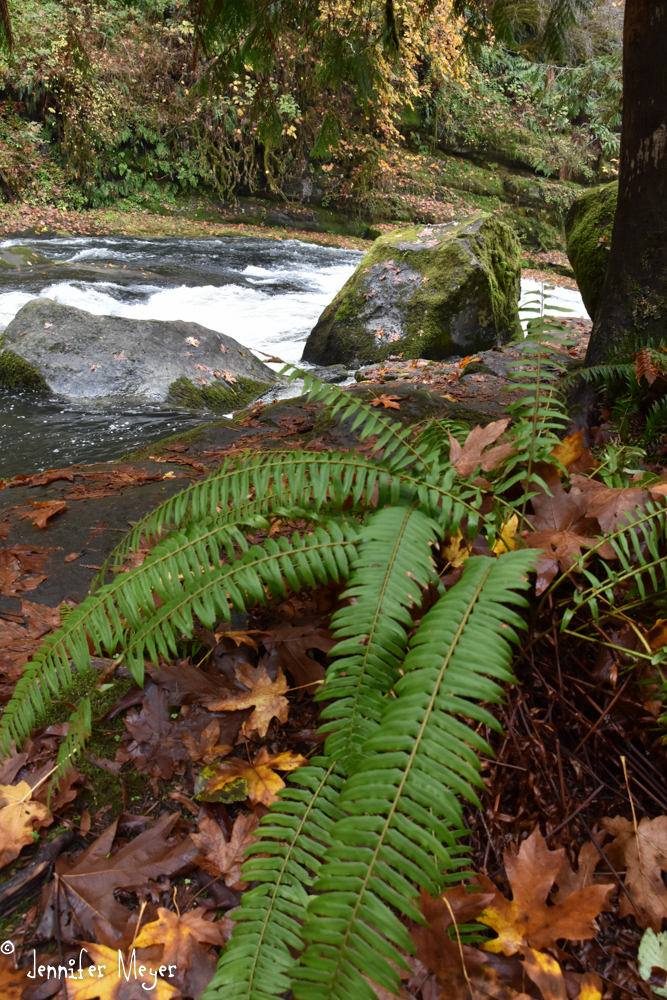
x: 426, y: 291
x: 109, y: 358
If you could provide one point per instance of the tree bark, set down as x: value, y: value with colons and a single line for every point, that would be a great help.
x: 634, y: 294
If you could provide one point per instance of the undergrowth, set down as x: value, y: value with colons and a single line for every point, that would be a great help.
x: 425, y: 635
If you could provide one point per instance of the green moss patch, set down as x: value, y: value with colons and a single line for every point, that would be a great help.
x: 17, y: 373
x: 588, y: 229
x: 217, y: 398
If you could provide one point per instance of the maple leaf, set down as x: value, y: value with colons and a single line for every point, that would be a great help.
x: 20, y: 817
x: 265, y: 696
x: 287, y: 646
x: 389, y: 402
x: 563, y: 529
x: 569, y: 881
x: 236, y: 779
x: 181, y: 936
x: 105, y: 979
x: 526, y: 921
x: 206, y: 749
x: 49, y: 509
x: 613, y: 507
x: 644, y: 856
x: 12, y: 980
x: 434, y: 947
x: 222, y: 857
x: 87, y: 902
x: 467, y: 458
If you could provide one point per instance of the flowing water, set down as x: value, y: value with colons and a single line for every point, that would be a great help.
x: 267, y: 294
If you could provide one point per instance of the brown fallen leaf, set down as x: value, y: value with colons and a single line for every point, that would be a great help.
x: 22, y: 568
x: 433, y: 945
x: 206, y: 748
x: 287, y: 647
x: 49, y: 508
x: 471, y: 456
x: 612, y: 507
x: 182, y: 937
x: 110, y: 982
x: 42, y: 478
x: 389, y: 402
x: 234, y: 780
x: 86, y: 898
x: 569, y: 881
x: 20, y: 818
x: 73, y: 556
x: 221, y: 857
x: 265, y: 696
x: 657, y: 636
x: 12, y: 980
x: 643, y: 856
x: 157, y: 744
x: 527, y: 921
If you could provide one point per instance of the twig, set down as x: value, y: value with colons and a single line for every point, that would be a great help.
x: 606, y: 711
x: 576, y: 812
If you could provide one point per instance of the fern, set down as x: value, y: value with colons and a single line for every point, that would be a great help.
x: 404, y: 816
x: 256, y: 963
x: 125, y: 612
x: 393, y: 567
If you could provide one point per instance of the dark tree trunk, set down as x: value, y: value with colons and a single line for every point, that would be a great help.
x: 634, y: 295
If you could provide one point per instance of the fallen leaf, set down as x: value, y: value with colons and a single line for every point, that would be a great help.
x: 657, y: 636
x: 235, y: 780
x: 613, y: 507
x: 433, y: 945
x: 570, y: 881
x: 389, y: 402
x: 42, y: 478
x: 527, y: 921
x: 456, y: 551
x: 265, y: 696
x: 471, y: 456
x: 506, y: 540
x: 22, y: 568
x: 49, y: 509
x: 73, y: 556
x: 87, y: 885
x: 12, y: 980
x: 222, y: 857
x: 192, y: 341
x: 287, y: 648
x: 643, y: 856
x: 20, y: 817
x: 182, y: 936
x: 652, y: 955
x: 570, y: 449
x: 206, y: 748
x: 110, y: 982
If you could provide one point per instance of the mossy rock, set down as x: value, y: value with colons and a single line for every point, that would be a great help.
x: 16, y: 258
x: 425, y: 292
x: 17, y: 373
x: 216, y: 398
x: 588, y: 227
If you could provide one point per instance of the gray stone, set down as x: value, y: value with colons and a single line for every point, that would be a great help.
x: 109, y: 358
x: 425, y: 292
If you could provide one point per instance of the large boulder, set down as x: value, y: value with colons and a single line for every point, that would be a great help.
x: 588, y: 226
x: 109, y: 358
x: 425, y: 292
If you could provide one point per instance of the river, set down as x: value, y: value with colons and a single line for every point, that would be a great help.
x: 265, y: 293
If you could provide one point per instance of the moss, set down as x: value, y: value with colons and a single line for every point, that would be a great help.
x: 588, y: 227
x: 17, y: 373
x: 217, y: 398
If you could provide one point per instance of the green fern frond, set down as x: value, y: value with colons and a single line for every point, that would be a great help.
x: 258, y: 485
x: 295, y: 834
x: 393, y: 438
x: 189, y: 583
x: 404, y: 816
x: 656, y: 421
x: 393, y: 566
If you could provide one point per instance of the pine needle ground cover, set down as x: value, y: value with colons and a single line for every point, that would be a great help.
x: 358, y: 724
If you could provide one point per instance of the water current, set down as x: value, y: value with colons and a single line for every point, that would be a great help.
x: 266, y: 294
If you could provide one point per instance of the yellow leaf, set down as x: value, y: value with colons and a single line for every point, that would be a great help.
x: 570, y: 449
x: 456, y: 552
x: 507, y: 540
x: 180, y: 936
x: 259, y: 779
x: 19, y: 818
x: 108, y: 980
x: 265, y: 696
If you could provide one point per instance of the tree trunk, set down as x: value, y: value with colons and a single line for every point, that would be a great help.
x: 634, y: 295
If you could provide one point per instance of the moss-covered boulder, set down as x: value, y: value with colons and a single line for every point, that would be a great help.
x: 111, y: 358
x: 425, y: 292
x: 588, y: 226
